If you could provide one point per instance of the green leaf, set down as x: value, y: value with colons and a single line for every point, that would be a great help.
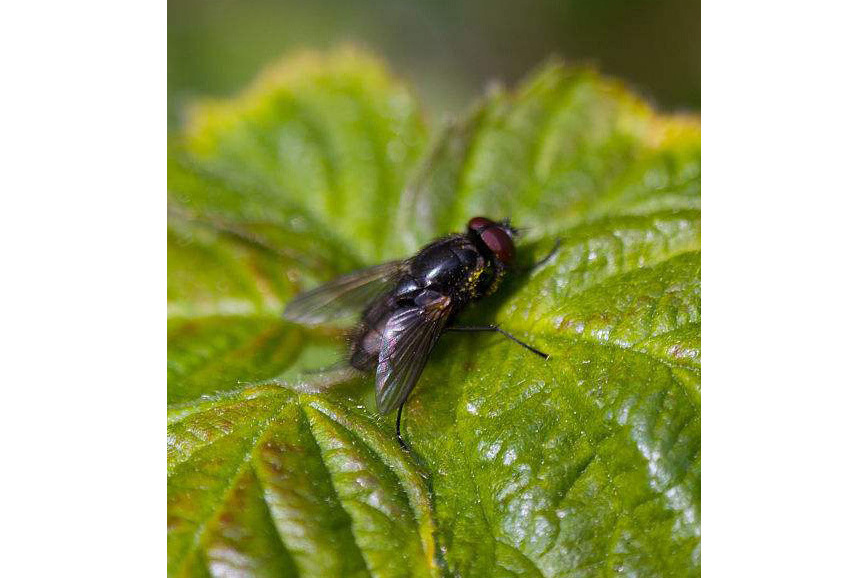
x: 267, y: 482
x: 586, y: 464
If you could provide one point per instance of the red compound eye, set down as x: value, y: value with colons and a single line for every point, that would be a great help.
x: 500, y: 243
x: 495, y: 237
x: 479, y: 224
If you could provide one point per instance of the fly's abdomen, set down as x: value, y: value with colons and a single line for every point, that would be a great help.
x: 365, y: 349
x: 366, y: 338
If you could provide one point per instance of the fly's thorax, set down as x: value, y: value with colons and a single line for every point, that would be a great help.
x: 498, y: 273
x: 445, y: 265
x: 487, y: 279
x: 455, y: 266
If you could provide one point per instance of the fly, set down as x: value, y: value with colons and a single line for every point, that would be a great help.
x: 406, y: 305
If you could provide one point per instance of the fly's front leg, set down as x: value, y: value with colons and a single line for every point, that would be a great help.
x: 547, y: 257
x: 542, y: 261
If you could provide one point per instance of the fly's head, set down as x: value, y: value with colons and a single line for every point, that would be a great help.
x: 495, y: 240
x: 496, y: 237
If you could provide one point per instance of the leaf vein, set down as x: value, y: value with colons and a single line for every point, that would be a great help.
x: 195, y: 541
x: 338, y: 500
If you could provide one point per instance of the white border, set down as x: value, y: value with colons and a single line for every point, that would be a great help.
x: 783, y: 125
x: 83, y: 245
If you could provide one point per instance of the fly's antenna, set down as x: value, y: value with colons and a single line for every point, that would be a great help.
x: 513, y: 232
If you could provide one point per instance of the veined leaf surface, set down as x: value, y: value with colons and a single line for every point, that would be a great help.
x: 587, y: 464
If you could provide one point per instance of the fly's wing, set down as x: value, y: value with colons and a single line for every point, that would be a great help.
x: 409, y: 336
x: 344, y: 296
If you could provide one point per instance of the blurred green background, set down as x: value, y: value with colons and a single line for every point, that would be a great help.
x: 447, y: 50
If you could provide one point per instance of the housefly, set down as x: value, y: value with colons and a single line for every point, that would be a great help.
x: 405, y: 306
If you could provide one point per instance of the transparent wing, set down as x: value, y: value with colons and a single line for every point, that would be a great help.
x: 409, y: 336
x: 344, y: 296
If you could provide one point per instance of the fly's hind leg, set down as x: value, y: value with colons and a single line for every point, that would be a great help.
x: 397, y: 427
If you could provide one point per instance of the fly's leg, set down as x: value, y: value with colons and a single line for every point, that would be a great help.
x: 492, y: 328
x: 397, y: 427
x: 530, y: 268
x: 547, y: 257
x: 468, y: 329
